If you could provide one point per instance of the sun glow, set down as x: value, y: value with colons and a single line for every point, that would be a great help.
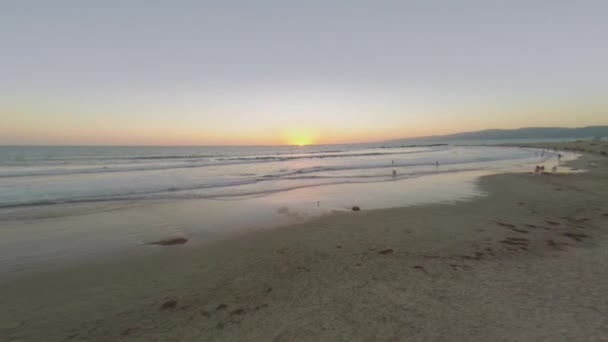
x: 299, y: 137
x: 299, y: 141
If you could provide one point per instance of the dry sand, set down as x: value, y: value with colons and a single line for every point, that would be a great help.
x: 528, y: 262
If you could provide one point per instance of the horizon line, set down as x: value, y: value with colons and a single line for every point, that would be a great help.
x: 295, y: 145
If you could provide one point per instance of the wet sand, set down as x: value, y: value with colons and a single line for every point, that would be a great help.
x: 525, y: 263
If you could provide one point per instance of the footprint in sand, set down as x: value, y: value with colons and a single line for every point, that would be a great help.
x: 478, y: 256
x: 576, y: 236
x: 257, y: 308
x: 535, y: 226
x: 238, y: 312
x: 169, y: 305
x: 457, y: 267
x: 515, y: 241
x: 522, y: 231
x: 130, y: 331
x: 512, y: 227
x: 418, y: 267
x: 556, y: 245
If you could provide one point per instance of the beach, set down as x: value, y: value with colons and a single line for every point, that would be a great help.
x: 524, y: 262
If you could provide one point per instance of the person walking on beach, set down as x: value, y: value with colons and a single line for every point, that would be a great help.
x: 436, y: 164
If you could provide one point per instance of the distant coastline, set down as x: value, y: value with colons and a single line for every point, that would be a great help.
x: 516, y: 135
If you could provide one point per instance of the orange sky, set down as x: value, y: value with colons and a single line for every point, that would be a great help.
x: 165, y: 126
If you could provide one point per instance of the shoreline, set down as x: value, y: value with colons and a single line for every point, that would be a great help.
x: 65, y: 236
x: 508, y: 266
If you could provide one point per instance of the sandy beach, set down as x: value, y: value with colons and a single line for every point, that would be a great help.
x: 527, y: 262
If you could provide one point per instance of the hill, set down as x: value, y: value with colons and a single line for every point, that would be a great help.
x: 530, y: 133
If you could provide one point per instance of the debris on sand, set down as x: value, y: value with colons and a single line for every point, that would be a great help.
x: 356, y: 208
x: 170, y: 241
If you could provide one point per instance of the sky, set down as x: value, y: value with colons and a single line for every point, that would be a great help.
x: 147, y: 72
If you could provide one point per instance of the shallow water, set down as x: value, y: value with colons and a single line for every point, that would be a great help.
x: 57, y: 175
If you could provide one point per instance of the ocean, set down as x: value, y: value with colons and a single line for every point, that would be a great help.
x: 57, y: 175
x: 61, y: 205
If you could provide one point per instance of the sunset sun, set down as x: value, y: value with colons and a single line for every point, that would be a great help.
x: 300, y: 141
x: 300, y: 137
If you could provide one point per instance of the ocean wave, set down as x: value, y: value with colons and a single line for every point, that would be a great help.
x: 223, y: 161
x: 48, y: 158
x: 193, y: 191
x: 254, y: 175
